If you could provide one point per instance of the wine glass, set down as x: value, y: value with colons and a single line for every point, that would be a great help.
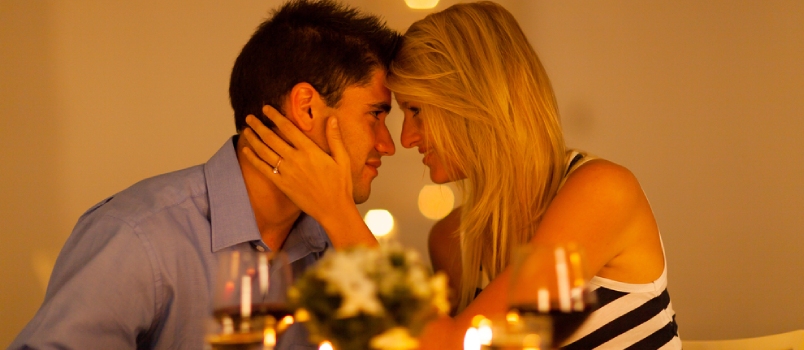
x: 249, y: 300
x: 548, y: 281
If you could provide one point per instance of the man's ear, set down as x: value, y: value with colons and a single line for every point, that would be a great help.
x: 302, y: 99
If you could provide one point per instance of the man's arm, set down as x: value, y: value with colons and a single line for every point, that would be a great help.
x: 101, y: 294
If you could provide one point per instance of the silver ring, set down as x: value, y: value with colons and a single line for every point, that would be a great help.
x: 276, y: 168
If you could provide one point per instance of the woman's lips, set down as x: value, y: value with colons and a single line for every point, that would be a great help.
x: 427, y: 155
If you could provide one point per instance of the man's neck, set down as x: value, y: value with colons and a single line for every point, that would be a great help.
x: 274, y: 212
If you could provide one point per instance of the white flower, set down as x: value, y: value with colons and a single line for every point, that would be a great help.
x: 397, y: 338
x: 417, y: 280
x: 390, y: 280
x: 358, y: 291
x: 390, y: 284
x: 359, y: 294
x: 412, y: 257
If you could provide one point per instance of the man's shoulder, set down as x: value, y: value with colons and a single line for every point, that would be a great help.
x: 154, y: 196
x: 131, y: 259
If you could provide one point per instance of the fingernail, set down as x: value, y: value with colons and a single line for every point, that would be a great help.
x: 333, y: 122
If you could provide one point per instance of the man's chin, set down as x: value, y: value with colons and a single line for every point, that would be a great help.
x: 360, y: 198
x: 361, y: 194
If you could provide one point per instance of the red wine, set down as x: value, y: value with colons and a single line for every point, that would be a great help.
x: 564, y: 323
x: 276, y: 310
x: 240, y: 333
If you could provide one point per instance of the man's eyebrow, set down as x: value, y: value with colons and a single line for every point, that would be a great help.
x: 385, y: 107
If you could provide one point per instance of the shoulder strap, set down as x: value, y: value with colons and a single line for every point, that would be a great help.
x: 575, y: 159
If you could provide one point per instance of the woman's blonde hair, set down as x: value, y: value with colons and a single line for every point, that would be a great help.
x: 490, y: 114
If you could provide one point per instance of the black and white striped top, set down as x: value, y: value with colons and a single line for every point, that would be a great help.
x: 629, y: 316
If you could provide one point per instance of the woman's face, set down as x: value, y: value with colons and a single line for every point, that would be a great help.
x: 415, y: 135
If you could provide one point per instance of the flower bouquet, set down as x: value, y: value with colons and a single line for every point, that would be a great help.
x: 365, y: 298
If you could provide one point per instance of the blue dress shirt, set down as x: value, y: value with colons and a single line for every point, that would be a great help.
x: 137, y: 270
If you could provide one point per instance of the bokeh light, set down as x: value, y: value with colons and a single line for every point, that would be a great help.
x: 421, y: 4
x: 379, y: 221
x: 436, y: 201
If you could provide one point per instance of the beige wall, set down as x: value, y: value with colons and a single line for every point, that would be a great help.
x: 702, y: 101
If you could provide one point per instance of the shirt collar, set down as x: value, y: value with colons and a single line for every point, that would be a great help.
x: 231, y: 216
x: 306, y: 237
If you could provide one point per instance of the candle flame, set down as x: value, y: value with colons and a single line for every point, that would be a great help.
x: 532, y: 342
x: 484, y: 333
x: 512, y: 317
x: 472, y: 339
x: 284, y: 323
x: 269, y: 337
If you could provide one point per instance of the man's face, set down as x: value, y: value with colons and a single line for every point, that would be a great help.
x: 361, y: 117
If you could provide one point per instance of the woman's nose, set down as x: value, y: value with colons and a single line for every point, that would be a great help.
x: 411, y: 135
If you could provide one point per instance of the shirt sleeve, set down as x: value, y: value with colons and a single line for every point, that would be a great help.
x: 101, y: 294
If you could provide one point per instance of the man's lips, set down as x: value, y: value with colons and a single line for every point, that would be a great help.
x: 376, y: 163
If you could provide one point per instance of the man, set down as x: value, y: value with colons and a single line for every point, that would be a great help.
x: 137, y: 271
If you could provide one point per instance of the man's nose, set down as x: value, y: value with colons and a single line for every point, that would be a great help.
x: 384, y: 143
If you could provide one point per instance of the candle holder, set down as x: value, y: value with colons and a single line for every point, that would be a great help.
x: 548, y: 281
x: 249, y: 301
x: 514, y: 332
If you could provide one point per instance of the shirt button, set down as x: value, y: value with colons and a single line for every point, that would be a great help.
x: 260, y: 248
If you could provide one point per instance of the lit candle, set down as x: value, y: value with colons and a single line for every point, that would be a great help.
x: 235, y: 266
x: 472, y: 339
x: 269, y: 337
x: 484, y: 332
x: 263, y: 271
x: 245, y: 297
x: 543, y: 298
x: 562, y: 273
x: 512, y: 317
x: 577, y: 281
x: 284, y: 323
x: 228, y: 325
x: 325, y: 346
x: 532, y: 342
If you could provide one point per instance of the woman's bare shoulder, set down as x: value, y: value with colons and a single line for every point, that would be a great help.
x: 602, y: 205
x: 607, y: 180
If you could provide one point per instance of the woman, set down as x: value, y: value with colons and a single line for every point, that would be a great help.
x: 479, y: 106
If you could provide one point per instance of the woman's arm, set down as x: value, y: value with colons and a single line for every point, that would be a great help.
x: 319, y: 184
x: 601, y: 208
